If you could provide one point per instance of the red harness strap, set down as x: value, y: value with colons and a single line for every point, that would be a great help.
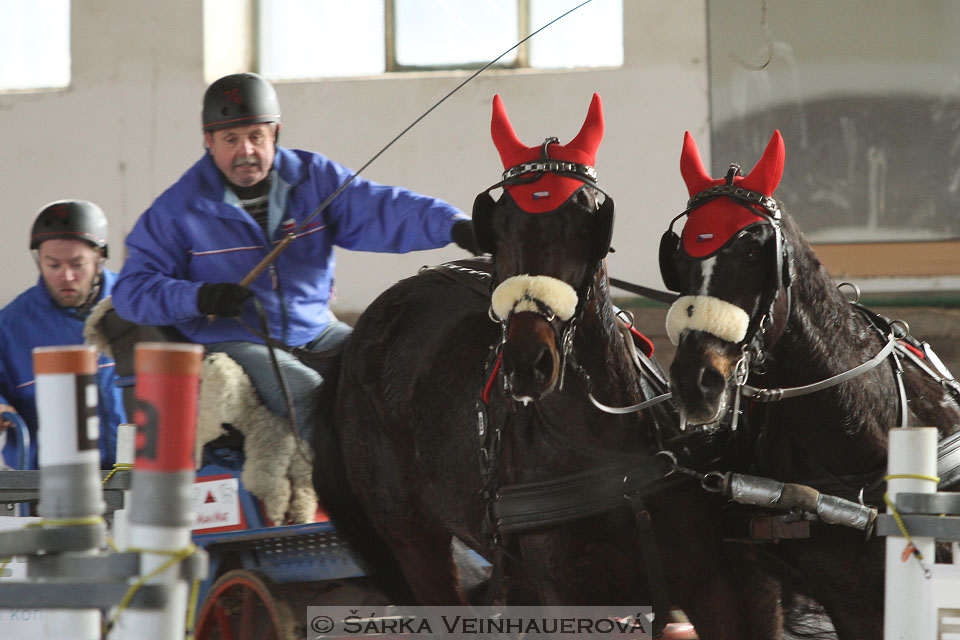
x: 643, y: 343
x: 917, y: 352
x: 488, y: 388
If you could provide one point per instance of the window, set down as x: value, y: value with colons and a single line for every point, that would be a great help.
x: 867, y: 96
x: 302, y: 39
x: 34, y: 45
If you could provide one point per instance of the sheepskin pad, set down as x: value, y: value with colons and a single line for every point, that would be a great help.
x: 91, y: 330
x: 521, y: 293
x: 277, y: 465
x: 706, y: 313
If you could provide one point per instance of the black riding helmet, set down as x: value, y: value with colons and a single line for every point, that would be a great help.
x: 70, y: 219
x: 239, y: 99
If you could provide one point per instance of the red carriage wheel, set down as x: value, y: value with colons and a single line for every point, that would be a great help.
x: 241, y: 606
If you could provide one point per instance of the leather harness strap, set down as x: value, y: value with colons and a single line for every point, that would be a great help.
x: 475, y: 273
x: 533, y: 505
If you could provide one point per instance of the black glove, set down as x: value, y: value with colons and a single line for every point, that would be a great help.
x: 223, y: 299
x: 462, y: 234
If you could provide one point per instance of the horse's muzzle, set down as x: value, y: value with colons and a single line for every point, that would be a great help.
x: 530, y: 358
x: 699, y: 377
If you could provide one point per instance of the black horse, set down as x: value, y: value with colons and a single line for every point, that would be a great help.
x: 461, y: 414
x: 758, y: 320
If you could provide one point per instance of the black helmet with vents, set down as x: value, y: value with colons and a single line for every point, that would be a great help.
x: 73, y: 220
x: 239, y: 99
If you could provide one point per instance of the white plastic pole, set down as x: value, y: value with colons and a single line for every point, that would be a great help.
x: 69, y: 455
x: 908, y: 596
x: 126, y: 438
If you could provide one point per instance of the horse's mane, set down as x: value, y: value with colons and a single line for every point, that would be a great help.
x: 826, y: 335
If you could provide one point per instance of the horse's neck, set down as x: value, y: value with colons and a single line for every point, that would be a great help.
x: 824, y: 337
x: 601, y: 348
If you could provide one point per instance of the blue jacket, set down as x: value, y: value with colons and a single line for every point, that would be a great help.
x: 196, y: 232
x: 33, y: 319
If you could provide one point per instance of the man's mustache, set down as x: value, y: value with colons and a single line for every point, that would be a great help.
x: 247, y: 160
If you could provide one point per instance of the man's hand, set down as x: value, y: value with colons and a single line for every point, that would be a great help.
x: 462, y: 234
x: 4, y: 423
x: 224, y: 299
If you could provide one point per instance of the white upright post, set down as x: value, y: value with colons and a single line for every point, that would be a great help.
x: 908, y: 593
x: 68, y: 440
x: 126, y: 438
x: 161, y: 507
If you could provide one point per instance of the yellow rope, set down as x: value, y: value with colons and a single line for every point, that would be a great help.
x: 67, y: 522
x: 176, y: 555
x: 913, y: 476
x: 899, y: 520
x: 118, y: 466
x: 192, y: 608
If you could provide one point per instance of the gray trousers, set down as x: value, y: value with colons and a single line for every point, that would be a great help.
x: 302, y: 380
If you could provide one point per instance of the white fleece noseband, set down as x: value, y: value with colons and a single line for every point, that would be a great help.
x: 706, y: 313
x: 522, y: 293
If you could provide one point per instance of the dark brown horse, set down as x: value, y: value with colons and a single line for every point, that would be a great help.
x: 449, y: 402
x: 760, y: 318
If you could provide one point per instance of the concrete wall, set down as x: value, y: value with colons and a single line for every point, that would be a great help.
x: 129, y: 126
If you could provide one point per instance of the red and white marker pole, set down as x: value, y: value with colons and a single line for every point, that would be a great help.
x: 161, y: 508
x: 68, y: 437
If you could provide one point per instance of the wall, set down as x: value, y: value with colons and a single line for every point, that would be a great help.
x: 129, y: 125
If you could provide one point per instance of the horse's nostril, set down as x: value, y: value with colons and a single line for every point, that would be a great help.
x: 711, y: 382
x: 544, y: 364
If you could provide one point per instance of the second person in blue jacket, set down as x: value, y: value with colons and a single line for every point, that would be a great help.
x: 69, y: 243
x: 216, y: 223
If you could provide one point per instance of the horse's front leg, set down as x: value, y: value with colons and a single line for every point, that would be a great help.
x: 736, y: 602
x: 427, y: 561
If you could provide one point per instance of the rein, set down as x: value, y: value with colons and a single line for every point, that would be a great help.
x: 759, y: 394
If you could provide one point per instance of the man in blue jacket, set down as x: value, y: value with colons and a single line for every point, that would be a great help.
x: 205, y: 233
x: 69, y: 238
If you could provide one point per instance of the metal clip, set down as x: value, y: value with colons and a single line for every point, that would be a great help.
x: 856, y: 291
x: 714, y: 482
x: 741, y: 370
x: 904, y: 329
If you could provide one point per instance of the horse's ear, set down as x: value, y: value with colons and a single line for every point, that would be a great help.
x: 691, y: 167
x: 765, y: 177
x: 504, y: 137
x: 603, y: 229
x: 483, y: 206
x: 591, y: 133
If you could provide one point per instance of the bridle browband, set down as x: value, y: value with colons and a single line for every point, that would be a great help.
x: 570, y: 169
x: 585, y: 173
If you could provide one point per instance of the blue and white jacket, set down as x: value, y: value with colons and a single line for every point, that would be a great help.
x: 196, y: 232
x: 33, y: 319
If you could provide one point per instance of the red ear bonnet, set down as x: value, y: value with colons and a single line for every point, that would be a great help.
x: 711, y: 225
x: 551, y: 190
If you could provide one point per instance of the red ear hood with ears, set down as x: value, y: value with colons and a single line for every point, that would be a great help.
x: 711, y: 225
x: 551, y: 190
